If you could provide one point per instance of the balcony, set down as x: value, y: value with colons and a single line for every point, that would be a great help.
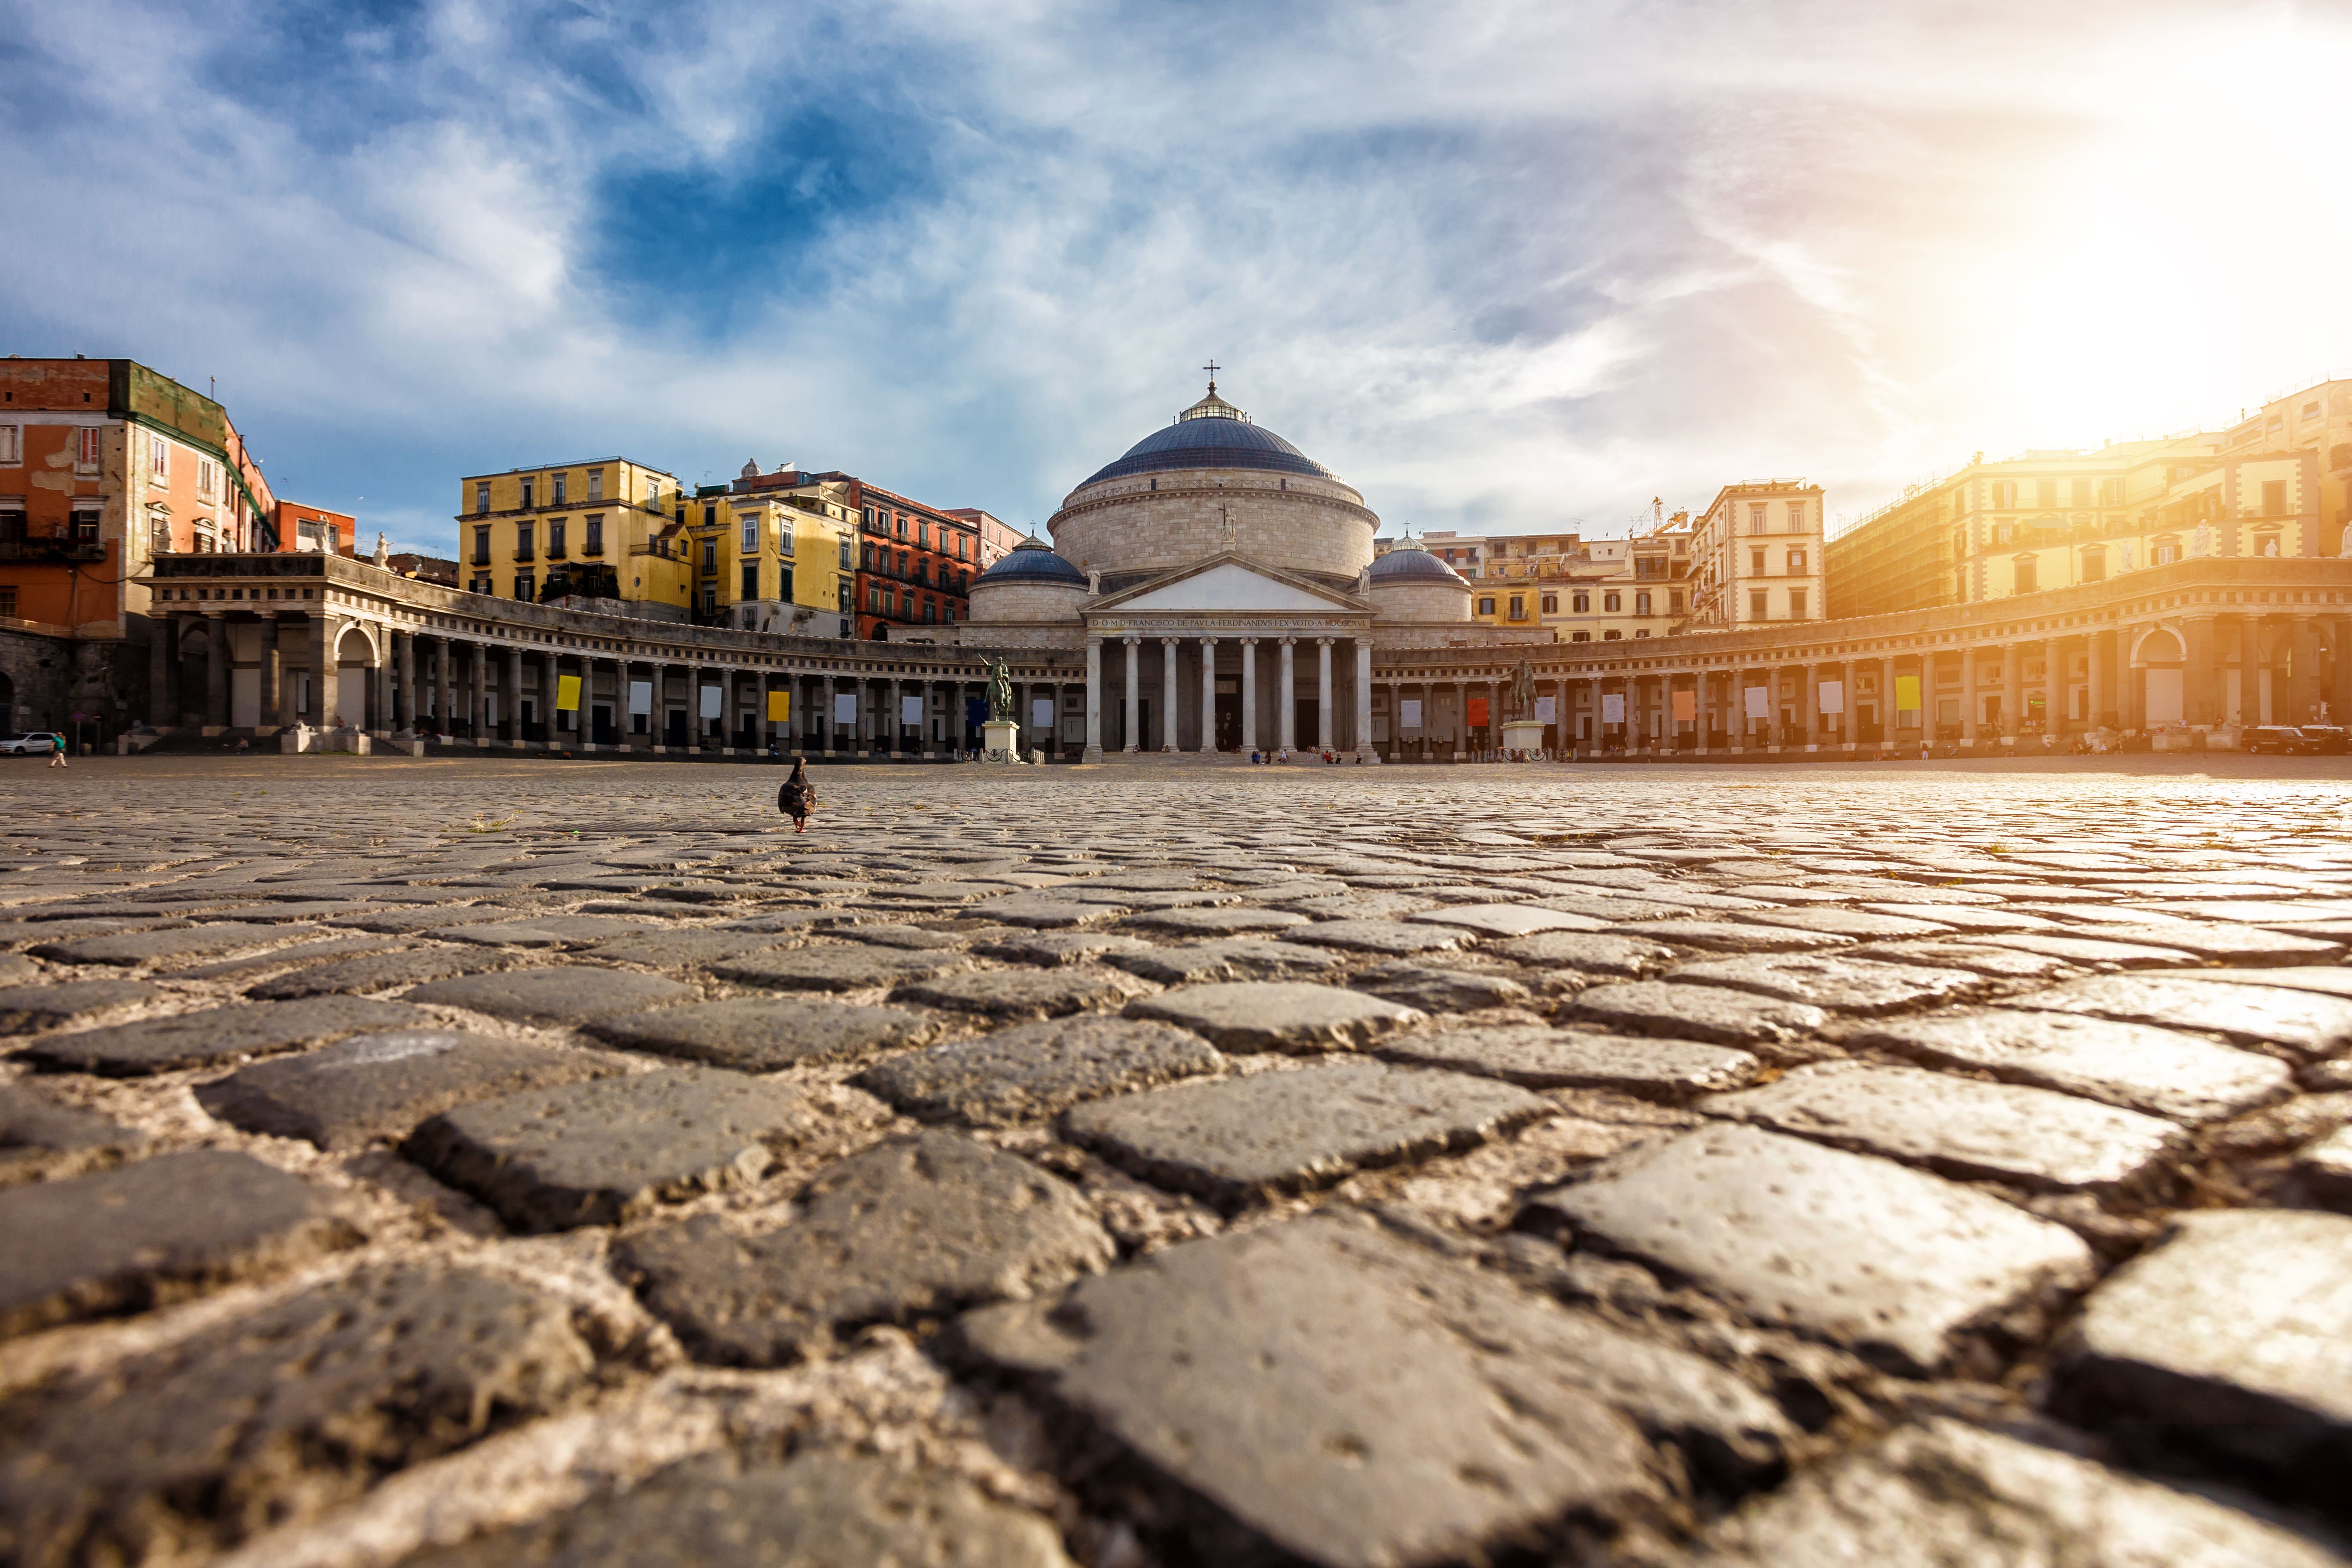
x: 52, y: 551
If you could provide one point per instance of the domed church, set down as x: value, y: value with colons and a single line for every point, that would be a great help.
x: 1224, y: 587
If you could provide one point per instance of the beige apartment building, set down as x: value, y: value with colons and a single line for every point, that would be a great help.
x: 1579, y: 589
x: 1756, y: 556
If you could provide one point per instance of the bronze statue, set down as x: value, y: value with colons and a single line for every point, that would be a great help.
x: 1000, y: 693
x: 1523, y: 691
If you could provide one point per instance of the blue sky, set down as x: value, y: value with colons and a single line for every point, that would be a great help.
x: 1502, y: 265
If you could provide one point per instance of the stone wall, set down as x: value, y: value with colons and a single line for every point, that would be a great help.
x: 1291, y: 520
x: 1410, y: 601
x: 51, y: 678
x: 995, y: 604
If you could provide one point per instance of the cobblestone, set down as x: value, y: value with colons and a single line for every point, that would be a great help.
x: 715, y: 1176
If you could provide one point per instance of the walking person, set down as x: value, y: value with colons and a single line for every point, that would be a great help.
x: 57, y: 751
x: 798, y: 796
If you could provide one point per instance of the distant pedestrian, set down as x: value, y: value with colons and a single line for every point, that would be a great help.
x: 57, y: 751
x: 798, y: 796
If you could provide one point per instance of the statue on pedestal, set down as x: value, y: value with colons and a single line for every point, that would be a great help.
x: 999, y: 692
x: 1521, y: 699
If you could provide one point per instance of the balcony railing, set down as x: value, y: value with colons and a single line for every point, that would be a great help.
x: 52, y: 551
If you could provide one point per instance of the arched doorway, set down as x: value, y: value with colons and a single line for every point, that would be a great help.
x: 355, y: 659
x: 8, y: 706
x: 2160, y: 663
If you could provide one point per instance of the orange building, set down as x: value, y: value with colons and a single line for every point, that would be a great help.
x: 104, y: 464
x: 316, y: 529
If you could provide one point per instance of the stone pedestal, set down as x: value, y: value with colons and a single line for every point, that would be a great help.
x: 1523, y: 735
x: 1001, y: 740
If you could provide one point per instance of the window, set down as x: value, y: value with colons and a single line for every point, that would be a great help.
x: 2095, y: 564
x: 1796, y: 563
x: 12, y: 445
x: 1675, y: 602
x: 2165, y: 552
x: 866, y: 516
x: 2004, y: 495
x: 710, y: 515
x: 1641, y: 631
x: 1796, y: 603
x: 159, y: 457
x: 481, y: 499
x: 845, y: 602
x: 522, y: 541
x: 2046, y: 493
x: 899, y: 522
x: 751, y: 522
x: 2024, y: 575
x: 2082, y: 488
x: 86, y: 447
x: 1756, y: 517
x: 751, y: 580
x: 1518, y: 606
x: 710, y: 555
x: 1551, y: 603
x: 1582, y: 603
x: 557, y: 499
x: 1610, y: 603
x: 1796, y: 517
x: 923, y: 534
x: 85, y: 524
x: 874, y: 598
x: 482, y: 546
x: 522, y: 587
x: 961, y: 555
x: 2274, y: 498
x: 784, y: 585
x: 528, y: 486
x: 931, y: 611
x: 207, y: 477
x: 1758, y: 603
x: 595, y: 484
x: 902, y: 564
x: 1613, y: 636
x: 1579, y: 637
x: 592, y: 529
x: 784, y: 536
x: 1485, y: 606
x: 555, y: 531
x: 1642, y: 604
x: 653, y: 492
x: 1756, y: 561
x: 847, y: 560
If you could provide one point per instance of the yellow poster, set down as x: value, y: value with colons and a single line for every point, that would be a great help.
x: 567, y: 693
x: 1906, y: 694
x: 780, y: 707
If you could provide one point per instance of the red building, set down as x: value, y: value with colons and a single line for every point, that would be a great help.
x: 997, y: 537
x: 316, y: 529
x: 915, y: 563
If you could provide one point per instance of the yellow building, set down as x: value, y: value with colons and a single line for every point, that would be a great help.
x: 1582, y: 590
x: 773, y: 552
x: 603, y: 529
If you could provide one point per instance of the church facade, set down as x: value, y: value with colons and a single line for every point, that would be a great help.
x: 1223, y: 589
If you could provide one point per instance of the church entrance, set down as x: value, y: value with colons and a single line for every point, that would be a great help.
x: 1307, y: 710
x: 1229, y: 720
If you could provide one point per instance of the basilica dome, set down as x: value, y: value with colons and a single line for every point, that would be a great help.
x: 1409, y: 583
x: 1031, y: 584
x: 1213, y: 481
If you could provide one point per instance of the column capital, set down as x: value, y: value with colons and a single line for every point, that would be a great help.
x: 1131, y: 639
x: 1325, y: 642
x: 1248, y: 642
x: 1208, y: 642
x: 1288, y: 642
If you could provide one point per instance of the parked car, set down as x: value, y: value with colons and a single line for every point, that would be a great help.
x: 37, y: 745
x: 2327, y: 740
x: 2276, y: 737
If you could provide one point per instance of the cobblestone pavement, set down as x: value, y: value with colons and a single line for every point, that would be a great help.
x: 507, y: 1163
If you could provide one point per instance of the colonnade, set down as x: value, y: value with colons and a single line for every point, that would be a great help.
x: 1172, y: 712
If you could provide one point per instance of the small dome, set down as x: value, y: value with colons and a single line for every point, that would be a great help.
x: 1411, y: 563
x: 1032, y: 561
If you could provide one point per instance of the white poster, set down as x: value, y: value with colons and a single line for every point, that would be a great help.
x: 1544, y: 712
x: 1041, y: 713
x: 845, y: 708
x: 711, y: 698
x: 1410, y: 716
x: 910, y: 709
x: 1832, y: 697
x: 641, y: 697
x: 1613, y: 708
x: 1759, y: 702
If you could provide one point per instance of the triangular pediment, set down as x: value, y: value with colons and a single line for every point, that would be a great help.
x: 1224, y: 584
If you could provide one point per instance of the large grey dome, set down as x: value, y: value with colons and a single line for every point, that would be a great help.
x: 1212, y: 434
x: 1032, y: 561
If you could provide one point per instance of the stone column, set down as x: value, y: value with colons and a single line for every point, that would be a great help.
x: 1324, y: 695
x: 477, y: 670
x: 2339, y: 639
x: 1249, y: 694
x: 1493, y: 717
x: 404, y: 686
x: 1167, y: 694
x: 2103, y: 678
x: 2012, y: 690
x: 1809, y: 691
x: 270, y: 709
x: 1286, y: 694
x: 1093, y: 753
x: 1132, y: 735
x: 1929, y: 705
x: 1208, y: 695
x: 325, y: 706
x: 216, y: 672
x: 1971, y: 706
x: 2201, y: 674
x: 162, y: 672
x: 1461, y: 719
x: 1364, y: 747
x: 1886, y: 701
